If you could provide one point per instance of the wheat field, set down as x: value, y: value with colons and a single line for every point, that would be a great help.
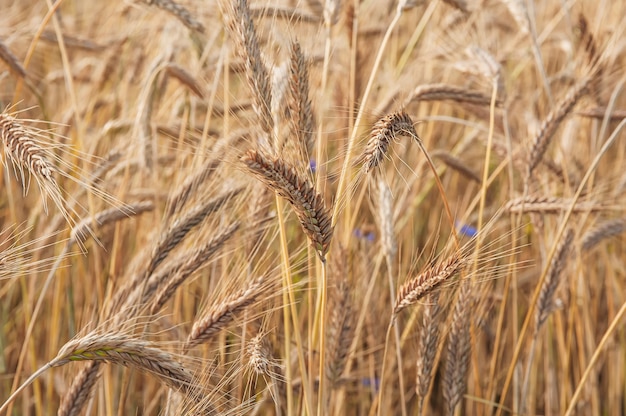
x: 320, y: 207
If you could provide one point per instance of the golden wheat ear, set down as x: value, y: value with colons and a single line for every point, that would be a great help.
x: 308, y: 205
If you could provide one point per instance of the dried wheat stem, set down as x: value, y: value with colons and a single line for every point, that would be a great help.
x: 239, y: 22
x: 603, y: 231
x: 299, y: 192
x: 459, y: 349
x: 219, y: 316
x: 424, y: 283
x: 386, y: 129
x: 545, y: 302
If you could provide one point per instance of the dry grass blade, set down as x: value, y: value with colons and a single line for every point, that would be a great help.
x: 457, y: 164
x: 219, y: 316
x: 459, y: 349
x: 444, y: 92
x: 11, y: 60
x: 427, y: 346
x: 545, y: 302
x: 603, y: 231
x: 299, y: 192
x: 81, y: 390
x: 242, y: 29
x: 424, y: 283
x: 386, y: 129
x: 129, y: 352
x: 179, y: 12
x: 175, y: 277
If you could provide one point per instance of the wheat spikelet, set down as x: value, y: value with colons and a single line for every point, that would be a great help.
x: 603, y: 231
x: 299, y: 192
x: 123, y: 350
x: 424, y: 283
x: 459, y: 348
x: 219, y: 316
x: 587, y: 41
x: 239, y: 22
x: 545, y: 302
x: 386, y: 129
x: 427, y: 346
x: 11, y: 60
x: 81, y: 390
x: 176, y: 276
x: 179, y: 12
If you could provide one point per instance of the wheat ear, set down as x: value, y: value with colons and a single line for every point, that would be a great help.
x: 219, y: 316
x: 239, y: 22
x: 427, y: 347
x: 177, y: 275
x: 81, y: 390
x: 603, y: 231
x: 308, y: 205
x: 386, y: 129
x: 179, y: 12
x: 459, y: 348
x: 299, y: 102
x: 425, y: 282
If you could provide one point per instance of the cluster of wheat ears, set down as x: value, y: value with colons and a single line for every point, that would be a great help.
x: 236, y: 210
